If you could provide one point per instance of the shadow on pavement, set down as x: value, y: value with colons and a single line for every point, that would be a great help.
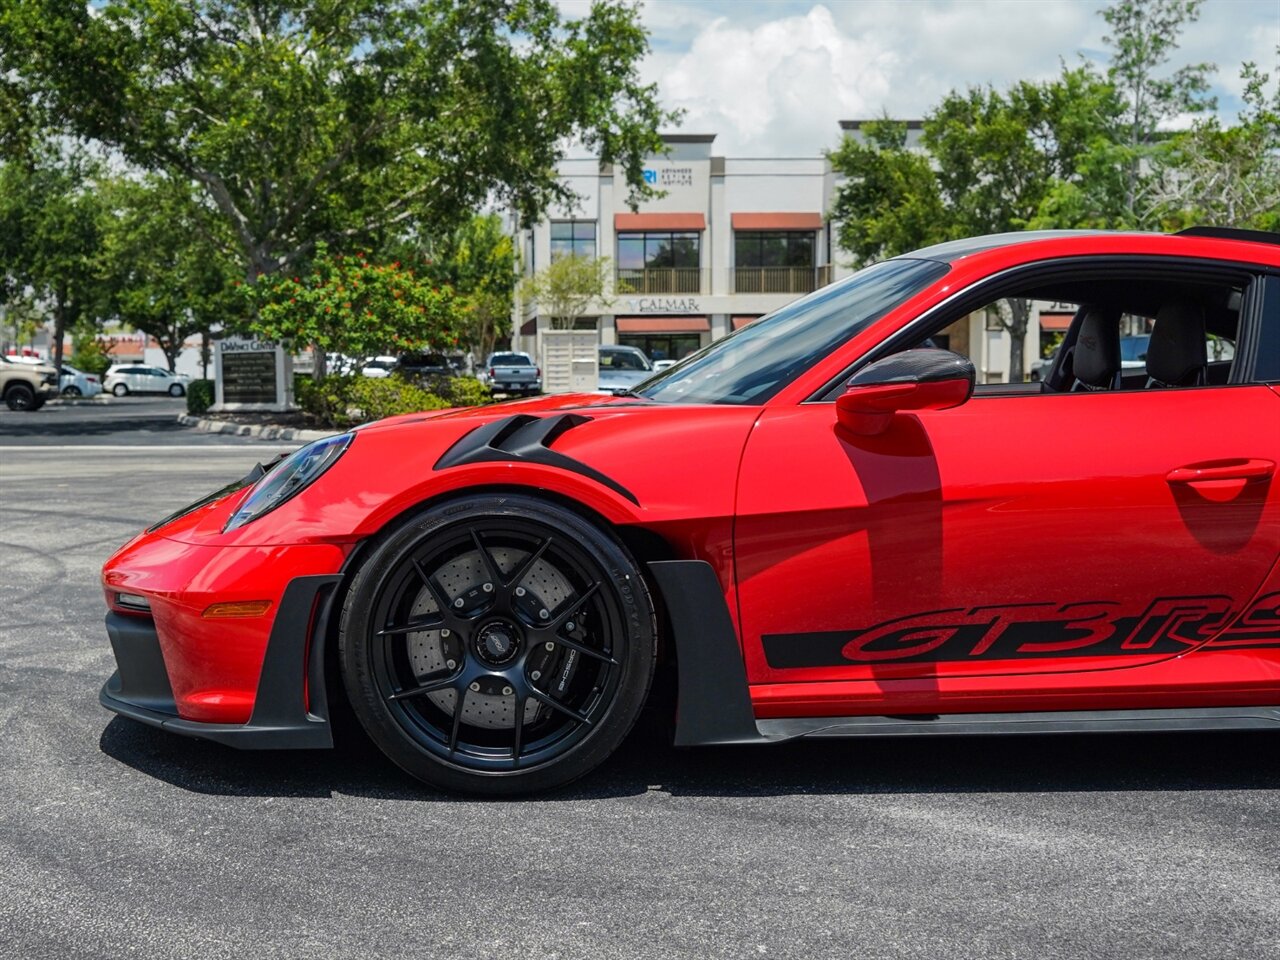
x: 1015, y: 764
x: 37, y: 425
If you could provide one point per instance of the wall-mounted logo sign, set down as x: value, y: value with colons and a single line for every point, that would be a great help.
x: 664, y: 305
x: 669, y: 177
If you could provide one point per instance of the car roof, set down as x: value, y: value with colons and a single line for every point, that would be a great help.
x: 1189, y: 242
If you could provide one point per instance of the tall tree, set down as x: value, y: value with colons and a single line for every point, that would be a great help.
x: 51, y: 218
x: 478, y: 261
x: 1144, y: 35
x: 1227, y: 175
x: 988, y: 162
x: 162, y: 274
x: 312, y: 120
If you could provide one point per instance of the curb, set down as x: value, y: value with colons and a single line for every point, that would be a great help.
x: 264, y: 431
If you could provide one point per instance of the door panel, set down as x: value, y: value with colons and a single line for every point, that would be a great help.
x: 1010, y: 535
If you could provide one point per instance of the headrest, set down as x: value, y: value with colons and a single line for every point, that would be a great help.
x: 1177, y: 354
x: 1097, y: 351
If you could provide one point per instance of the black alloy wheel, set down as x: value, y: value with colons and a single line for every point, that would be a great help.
x: 497, y: 644
x: 20, y: 396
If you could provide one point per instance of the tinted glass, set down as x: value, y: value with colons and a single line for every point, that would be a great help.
x: 511, y: 360
x: 753, y: 363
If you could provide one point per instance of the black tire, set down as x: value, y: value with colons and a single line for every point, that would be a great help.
x: 176, y: 390
x: 482, y: 699
x: 120, y: 390
x: 20, y: 396
x: 71, y: 390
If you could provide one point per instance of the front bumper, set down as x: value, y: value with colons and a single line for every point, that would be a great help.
x: 290, y: 709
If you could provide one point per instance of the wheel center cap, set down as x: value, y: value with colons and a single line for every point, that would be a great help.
x: 497, y: 642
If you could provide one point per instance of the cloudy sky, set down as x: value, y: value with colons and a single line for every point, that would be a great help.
x: 773, y: 77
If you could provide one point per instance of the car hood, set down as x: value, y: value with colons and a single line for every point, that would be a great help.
x: 601, y: 456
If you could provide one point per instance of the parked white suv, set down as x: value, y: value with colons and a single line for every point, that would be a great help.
x: 126, y: 378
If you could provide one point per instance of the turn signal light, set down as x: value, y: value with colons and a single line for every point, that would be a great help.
x: 239, y: 608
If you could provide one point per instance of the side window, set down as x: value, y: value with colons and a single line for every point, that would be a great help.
x: 1107, y: 332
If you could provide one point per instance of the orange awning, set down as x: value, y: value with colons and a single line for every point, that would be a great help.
x: 662, y: 324
x: 777, y: 221
x: 743, y: 321
x: 624, y: 222
x: 1056, y: 321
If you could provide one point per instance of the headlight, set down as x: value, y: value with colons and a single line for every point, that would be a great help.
x: 289, y: 477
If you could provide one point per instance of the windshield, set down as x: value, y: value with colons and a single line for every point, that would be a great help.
x: 623, y: 360
x: 755, y: 362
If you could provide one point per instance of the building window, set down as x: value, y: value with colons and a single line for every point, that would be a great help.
x: 659, y: 262
x: 774, y: 262
x: 573, y: 238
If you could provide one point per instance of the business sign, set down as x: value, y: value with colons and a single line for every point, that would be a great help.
x: 665, y: 178
x: 251, y: 375
x: 664, y: 305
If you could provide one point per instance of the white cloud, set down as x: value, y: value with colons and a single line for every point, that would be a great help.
x: 773, y: 78
x: 774, y: 89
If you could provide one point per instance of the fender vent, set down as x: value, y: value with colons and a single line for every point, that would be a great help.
x: 525, y: 439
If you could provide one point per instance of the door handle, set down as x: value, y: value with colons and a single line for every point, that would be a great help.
x: 1214, y: 470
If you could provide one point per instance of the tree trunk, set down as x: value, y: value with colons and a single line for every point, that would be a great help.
x: 1020, y: 311
x: 59, y: 326
x: 319, y: 367
x: 204, y: 354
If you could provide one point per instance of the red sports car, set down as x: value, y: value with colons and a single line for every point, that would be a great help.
x: 826, y: 522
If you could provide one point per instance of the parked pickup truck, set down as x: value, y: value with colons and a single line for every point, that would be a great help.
x: 512, y: 373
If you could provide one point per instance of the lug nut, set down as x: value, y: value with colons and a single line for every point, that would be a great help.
x: 570, y: 625
x: 549, y: 645
x: 544, y: 613
x: 458, y: 602
x: 506, y: 691
x: 451, y: 664
x: 488, y: 588
x: 475, y: 686
x: 535, y: 675
x: 444, y: 632
x: 520, y: 591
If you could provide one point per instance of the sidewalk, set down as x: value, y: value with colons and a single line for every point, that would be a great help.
x: 263, y: 431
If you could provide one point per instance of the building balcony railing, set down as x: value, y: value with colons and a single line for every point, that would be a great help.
x: 779, y: 279
x: 661, y: 280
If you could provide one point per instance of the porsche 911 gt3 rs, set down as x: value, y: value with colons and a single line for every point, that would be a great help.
x: 848, y: 532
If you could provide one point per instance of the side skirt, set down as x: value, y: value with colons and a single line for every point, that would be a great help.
x: 715, y: 702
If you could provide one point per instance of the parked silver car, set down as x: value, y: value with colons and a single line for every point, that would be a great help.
x: 621, y: 368
x: 77, y: 383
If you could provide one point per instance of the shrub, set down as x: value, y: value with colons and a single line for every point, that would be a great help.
x: 199, y: 396
x: 467, y: 392
x: 89, y: 355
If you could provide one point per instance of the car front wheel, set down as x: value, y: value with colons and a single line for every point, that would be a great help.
x: 20, y: 396
x: 497, y: 644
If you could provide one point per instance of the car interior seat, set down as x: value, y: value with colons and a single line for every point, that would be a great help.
x: 1095, y: 358
x: 1177, y: 355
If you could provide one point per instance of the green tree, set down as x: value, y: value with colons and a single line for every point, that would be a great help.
x: 356, y: 306
x: 163, y: 276
x: 51, y: 218
x: 478, y: 261
x: 307, y: 121
x: 1227, y: 175
x: 568, y: 287
x: 1144, y: 35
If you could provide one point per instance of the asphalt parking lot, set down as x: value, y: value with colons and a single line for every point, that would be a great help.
x: 118, y: 840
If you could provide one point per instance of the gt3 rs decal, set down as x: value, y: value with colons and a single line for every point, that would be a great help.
x: 1169, y: 625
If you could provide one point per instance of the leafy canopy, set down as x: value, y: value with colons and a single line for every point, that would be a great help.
x: 337, y: 121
